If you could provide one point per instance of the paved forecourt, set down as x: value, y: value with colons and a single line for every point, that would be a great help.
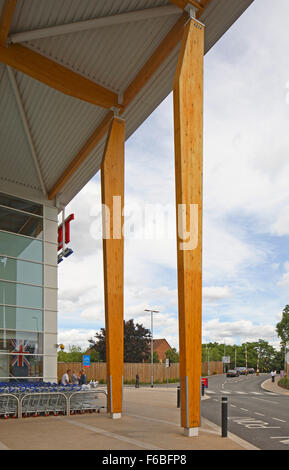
x: 151, y: 421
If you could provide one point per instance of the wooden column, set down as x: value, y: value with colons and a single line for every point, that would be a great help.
x: 112, y: 185
x: 188, y: 116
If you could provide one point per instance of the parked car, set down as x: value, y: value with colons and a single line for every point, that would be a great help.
x: 232, y: 373
x: 241, y: 370
x: 251, y: 370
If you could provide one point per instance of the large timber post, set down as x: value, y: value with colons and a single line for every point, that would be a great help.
x: 112, y: 187
x: 188, y: 118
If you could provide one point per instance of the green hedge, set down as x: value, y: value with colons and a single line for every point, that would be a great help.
x: 284, y: 383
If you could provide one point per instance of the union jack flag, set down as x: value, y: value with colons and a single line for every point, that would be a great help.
x: 20, y: 348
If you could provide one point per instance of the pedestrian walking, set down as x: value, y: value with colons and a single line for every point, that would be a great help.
x: 273, y: 373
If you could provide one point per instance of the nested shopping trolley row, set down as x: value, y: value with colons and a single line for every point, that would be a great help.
x: 21, y: 401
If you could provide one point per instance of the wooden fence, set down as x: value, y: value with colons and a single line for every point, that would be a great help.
x: 97, y: 371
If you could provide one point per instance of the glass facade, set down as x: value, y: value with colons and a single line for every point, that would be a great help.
x: 21, y: 289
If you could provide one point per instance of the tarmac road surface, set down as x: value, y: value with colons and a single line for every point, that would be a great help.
x: 254, y: 414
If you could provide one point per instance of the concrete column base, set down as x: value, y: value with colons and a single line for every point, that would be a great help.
x: 115, y: 415
x: 191, y: 432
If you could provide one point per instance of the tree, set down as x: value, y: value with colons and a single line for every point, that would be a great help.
x: 172, y: 355
x: 136, y: 342
x: 98, y: 345
x: 155, y: 357
x: 94, y: 355
x: 282, y: 327
x: 74, y: 354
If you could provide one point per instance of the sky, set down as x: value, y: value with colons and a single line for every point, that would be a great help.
x: 246, y: 202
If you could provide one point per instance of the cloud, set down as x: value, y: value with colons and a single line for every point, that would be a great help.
x: 239, y: 331
x: 246, y: 199
x: 285, y: 278
x: 216, y: 293
x: 75, y: 337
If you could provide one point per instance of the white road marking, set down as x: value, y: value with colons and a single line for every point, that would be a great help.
x: 286, y: 441
x: 256, y: 393
x: 281, y: 420
x: 233, y: 437
x: 252, y: 423
x: 243, y: 409
x: 233, y: 406
x: 267, y: 401
x: 259, y: 414
x: 210, y: 391
x: 241, y: 393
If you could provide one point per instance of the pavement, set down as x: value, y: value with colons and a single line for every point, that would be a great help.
x: 274, y: 387
x: 150, y: 422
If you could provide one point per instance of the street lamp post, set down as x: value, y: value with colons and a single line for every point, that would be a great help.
x: 258, y: 363
x: 152, y: 345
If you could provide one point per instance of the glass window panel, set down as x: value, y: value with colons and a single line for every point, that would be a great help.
x: 21, y: 342
x: 23, y: 224
x: 21, y: 295
x: 20, y: 204
x: 21, y: 247
x: 15, y: 318
x: 17, y: 366
x: 21, y: 271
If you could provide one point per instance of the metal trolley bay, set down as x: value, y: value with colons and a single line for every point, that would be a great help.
x: 22, y: 400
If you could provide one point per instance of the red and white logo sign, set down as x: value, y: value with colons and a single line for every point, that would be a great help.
x: 66, y: 230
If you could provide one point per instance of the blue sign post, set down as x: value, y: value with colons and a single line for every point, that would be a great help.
x: 86, y: 361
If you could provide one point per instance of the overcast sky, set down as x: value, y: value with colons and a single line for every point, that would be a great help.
x: 246, y: 201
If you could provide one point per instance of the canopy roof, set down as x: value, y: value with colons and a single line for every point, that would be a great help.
x: 67, y: 66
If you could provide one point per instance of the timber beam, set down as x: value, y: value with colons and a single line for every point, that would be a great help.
x: 112, y: 191
x: 6, y: 18
x: 188, y: 124
x: 57, y: 76
x: 158, y: 57
x: 184, y: 3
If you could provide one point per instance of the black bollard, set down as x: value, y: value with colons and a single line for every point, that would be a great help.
x: 178, y: 397
x: 137, y: 381
x: 203, y: 389
x: 224, y: 417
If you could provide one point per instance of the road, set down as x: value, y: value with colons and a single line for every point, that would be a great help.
x: 255, y: 415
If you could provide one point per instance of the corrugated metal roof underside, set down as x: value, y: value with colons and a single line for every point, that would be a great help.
x: 111, y: 56
x: 17, y: 165
x: 155, y: 91
x: 60, y: 125
x: 54, y: 12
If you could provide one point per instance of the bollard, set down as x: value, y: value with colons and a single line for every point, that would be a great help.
x: 178, y: 396
x: 137, y: 381
x: 203, y: 389
x: 224, y: 417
